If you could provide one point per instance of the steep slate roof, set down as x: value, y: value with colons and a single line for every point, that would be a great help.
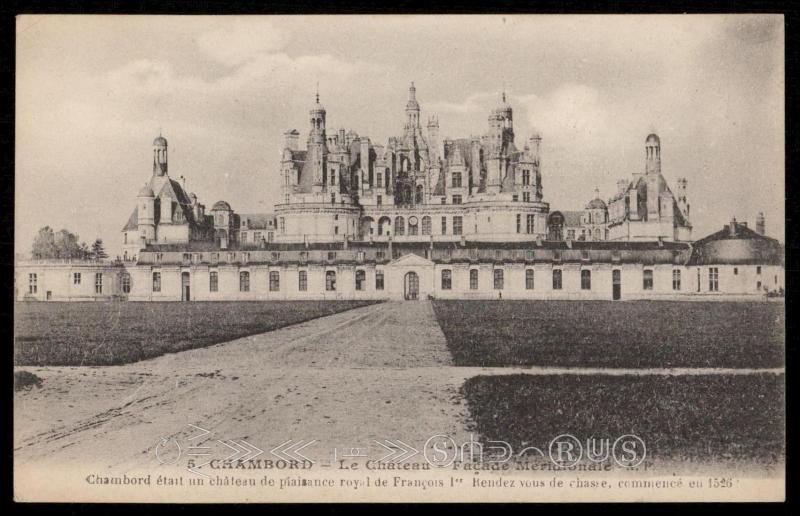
x: 133, y: 221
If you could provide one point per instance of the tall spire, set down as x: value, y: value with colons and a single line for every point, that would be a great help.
x: 317, y: 92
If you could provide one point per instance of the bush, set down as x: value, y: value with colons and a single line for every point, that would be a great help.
x: 24, y: 380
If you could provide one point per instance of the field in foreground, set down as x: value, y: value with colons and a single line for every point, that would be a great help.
x: 613, y: 334
x: 116, y: 333
x: 681, y: 418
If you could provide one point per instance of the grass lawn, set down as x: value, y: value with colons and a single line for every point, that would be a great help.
x: 115, y: 333
x: 613, y: 334
x: 681, y: 418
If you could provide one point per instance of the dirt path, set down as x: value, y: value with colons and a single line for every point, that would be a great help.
x: 368, y: 374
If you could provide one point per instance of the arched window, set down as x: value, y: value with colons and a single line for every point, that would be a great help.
x: 413, y: 228
x: 384, y: 225
x: 330, y: 280
x: 597, y: 234
x: 586, y: 279
x: 126, y: 283
x: 498, y: 279
x: 447, y: 279
x: 361, y: 278
x: 399, y: 226
x: 557, y: 279
x: 529, y: 279
x: 419, y: 194
x: 473, y: 279
x: 244, y: 282
x: 426, y: 225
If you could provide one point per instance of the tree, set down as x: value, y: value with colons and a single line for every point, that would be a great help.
x: 98, y: 252
x: 44, y: 245
x: 67, y: 245
x: 84, y: 250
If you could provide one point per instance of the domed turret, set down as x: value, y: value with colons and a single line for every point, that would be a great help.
x: 597, y: 203
x: 221, y: 206
x: 652, y: 147
x: 160, y: 156
x: 316, y: 133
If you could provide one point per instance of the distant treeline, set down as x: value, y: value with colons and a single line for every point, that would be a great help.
x: 65, y: 244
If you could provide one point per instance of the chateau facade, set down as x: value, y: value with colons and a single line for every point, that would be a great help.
x: 417, y: 218
x: 415, y: 188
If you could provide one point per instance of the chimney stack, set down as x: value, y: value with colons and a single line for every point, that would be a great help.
x: 732, y: 227
x: 760, y: 224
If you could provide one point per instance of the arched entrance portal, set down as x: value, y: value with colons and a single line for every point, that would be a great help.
x: 411, y: 286
x: 185, y: 286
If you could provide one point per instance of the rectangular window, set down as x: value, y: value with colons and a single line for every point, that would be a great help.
x: 156, y: 282
x: 526, y: 177
x: 257, y: 237
x: 380, y: 200
x: 447, y: 279
x: 274, y: 281
x: 586, y: 279
x: 380, y: 255
x: 32, y: 283
x: 758, y: 270
x: 557, y: 279
x: 302, y: 281
x: 244, y: 282
x: 126, y: 283
x: 76, y: 278
x: 213, y: 281
x: 529, y: 279
x: 526, y: 196
x: 244, y: 237
x: 498, y: 279
x: 331, y: 255
x: 380, y: 180
x: 736, y: 271
x: 444, y: 225
x: 647, y: 279
x: 457, y: 225
x: 282, y: 225
x: 361, y: 278
x: 456, y: 199
x: 360, y: 256
x: 713, y: 279
x: 378, y: 280
x: 456, y: 180
x: 330, y: 281
x: 676, y: 279
x: 531, y: 224
x: 473, y: 279
x: 519, y: 223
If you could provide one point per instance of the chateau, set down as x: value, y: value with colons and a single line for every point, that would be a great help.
x: 418, y: 217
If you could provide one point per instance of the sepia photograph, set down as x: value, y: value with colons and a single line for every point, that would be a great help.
x: 399, y: 258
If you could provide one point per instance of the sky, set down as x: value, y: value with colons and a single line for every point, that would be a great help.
x: 93, y: 92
